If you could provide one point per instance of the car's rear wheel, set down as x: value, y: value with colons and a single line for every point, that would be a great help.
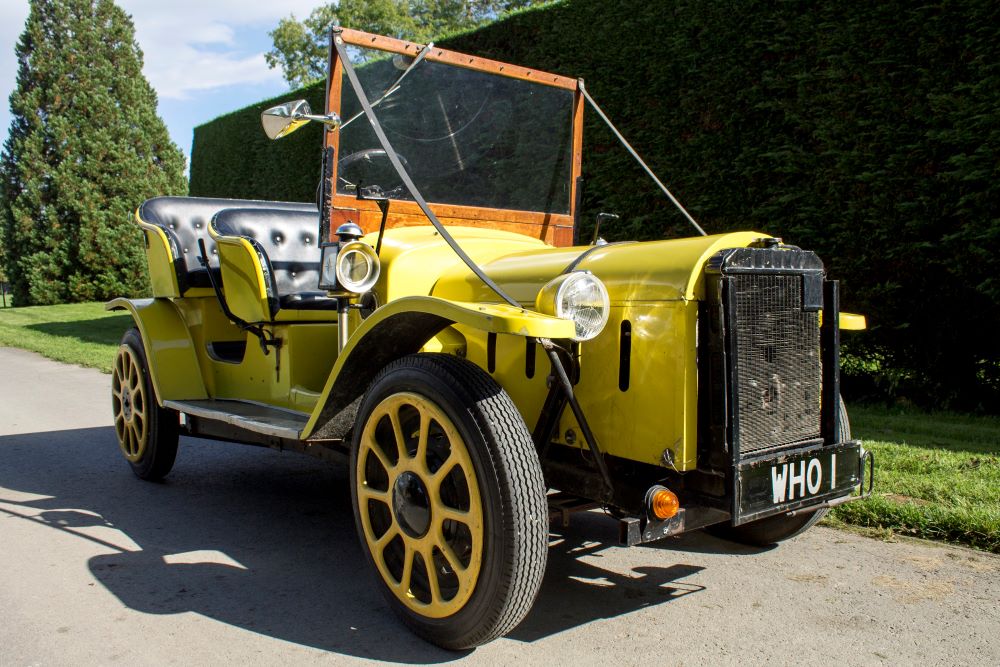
x: 449, y: 500
x: 782, y: 527
x: 147, y: 434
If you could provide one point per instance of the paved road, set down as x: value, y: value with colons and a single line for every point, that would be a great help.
x: 248, y: 555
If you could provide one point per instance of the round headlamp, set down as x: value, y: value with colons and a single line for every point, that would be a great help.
x: 357, y: 267
x: 579, y: 296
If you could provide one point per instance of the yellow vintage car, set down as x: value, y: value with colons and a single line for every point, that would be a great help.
x: 436, y: 319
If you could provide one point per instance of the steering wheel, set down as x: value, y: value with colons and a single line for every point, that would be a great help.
x: 368, y: 156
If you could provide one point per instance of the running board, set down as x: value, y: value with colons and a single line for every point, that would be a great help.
x: 264, y: 419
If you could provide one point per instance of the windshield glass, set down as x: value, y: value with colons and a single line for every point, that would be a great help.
x: 466, y: 137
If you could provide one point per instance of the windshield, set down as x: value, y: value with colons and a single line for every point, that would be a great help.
x: 466, y: 137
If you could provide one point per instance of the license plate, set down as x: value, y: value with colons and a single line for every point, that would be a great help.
x: 789, y: 481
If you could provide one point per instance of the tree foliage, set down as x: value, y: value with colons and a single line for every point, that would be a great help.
x: 85, y: 147
x: 300, y: 47
x: 867, y: 132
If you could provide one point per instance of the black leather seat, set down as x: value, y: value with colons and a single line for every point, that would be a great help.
x: 184, y: 220
x: 287, y: 247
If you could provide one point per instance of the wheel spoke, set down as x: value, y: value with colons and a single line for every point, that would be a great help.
x: 397, y: 431
x: 120, y: 366
x: 434, y: 482
x: 130, y: 443
x: 133, y: 375
x: 366, y: 492
x: 381, y: 543
x: 408, y: 556
x: 376, y: 449
x: 139, y: 402
x: 445, y: 513
x: 427, y: 553
x: 425, y: 427
x: 454, y: 561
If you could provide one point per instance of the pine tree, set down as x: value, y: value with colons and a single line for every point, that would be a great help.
x: 85, y: 148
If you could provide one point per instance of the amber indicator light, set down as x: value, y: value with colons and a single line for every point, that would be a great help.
x: 664, y: 504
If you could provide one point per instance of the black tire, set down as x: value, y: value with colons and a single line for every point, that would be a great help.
x: 479, y: 448
x: 147, y: 434
x: 771, y: 530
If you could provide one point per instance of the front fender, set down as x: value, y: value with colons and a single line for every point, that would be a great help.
x: 173, y: 364
x: 402, y: 327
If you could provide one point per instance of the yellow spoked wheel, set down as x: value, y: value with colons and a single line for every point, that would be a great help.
x: 420, y: 506
x: 147, y: 434
x: 128, y: 396
x: 449, y: 499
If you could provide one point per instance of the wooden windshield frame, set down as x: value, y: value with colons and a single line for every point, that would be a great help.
x: 553, y: 228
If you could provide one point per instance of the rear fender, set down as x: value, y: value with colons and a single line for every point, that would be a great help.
x: 403, y: 327
x: 173, y: 364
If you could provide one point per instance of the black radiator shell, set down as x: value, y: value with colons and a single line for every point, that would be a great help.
x: 719, y: 428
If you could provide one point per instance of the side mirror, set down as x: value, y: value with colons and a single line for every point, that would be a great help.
x: 285, y: 118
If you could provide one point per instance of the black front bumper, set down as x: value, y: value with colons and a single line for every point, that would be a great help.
x: 806, y: 478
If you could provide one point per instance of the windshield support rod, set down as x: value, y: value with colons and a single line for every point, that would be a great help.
x: 390, y: 153
x: 638, y: 159
x: 394, y: 86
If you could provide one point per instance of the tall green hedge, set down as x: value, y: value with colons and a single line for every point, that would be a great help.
x: 869, y: 132
x: 232, y: 157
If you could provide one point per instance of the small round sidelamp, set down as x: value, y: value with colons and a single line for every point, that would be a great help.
x: 357, y: 267
x: 662, y: 503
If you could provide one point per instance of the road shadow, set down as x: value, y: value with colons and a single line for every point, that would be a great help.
x: 265, y: 541
x: 577, y: 590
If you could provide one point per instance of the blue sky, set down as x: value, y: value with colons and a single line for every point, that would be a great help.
x: 203, y: 57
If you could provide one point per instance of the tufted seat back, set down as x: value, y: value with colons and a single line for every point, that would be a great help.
x: 184, y: 220
x: 288, y: 250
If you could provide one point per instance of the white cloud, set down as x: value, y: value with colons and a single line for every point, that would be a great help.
x: 191, y: 46
x: 188, y: 45
x: 174, y: 80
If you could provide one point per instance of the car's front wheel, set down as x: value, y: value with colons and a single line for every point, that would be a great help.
x: 449, y: 500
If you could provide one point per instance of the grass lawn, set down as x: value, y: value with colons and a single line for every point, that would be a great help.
x: 77, y: 333
x: 937, y: 476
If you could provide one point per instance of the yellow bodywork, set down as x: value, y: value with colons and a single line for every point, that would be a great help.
x: 160, y: 260
x: 243, y: 276
x: 172, y: 360
x: 852, y: 321
x: 654, y: 287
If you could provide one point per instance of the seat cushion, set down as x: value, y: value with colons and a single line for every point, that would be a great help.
x: 185, y: 220
x: 286, y: 241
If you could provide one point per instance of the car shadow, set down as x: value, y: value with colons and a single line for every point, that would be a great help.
x: 577, y: 590
x: 265, y: 541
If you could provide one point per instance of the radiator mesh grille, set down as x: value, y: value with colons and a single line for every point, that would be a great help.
x: 778, y: 367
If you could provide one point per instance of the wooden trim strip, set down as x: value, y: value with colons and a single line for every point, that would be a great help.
x: 392, y: 45
x: 456, y: 211
x: 577, y: 166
